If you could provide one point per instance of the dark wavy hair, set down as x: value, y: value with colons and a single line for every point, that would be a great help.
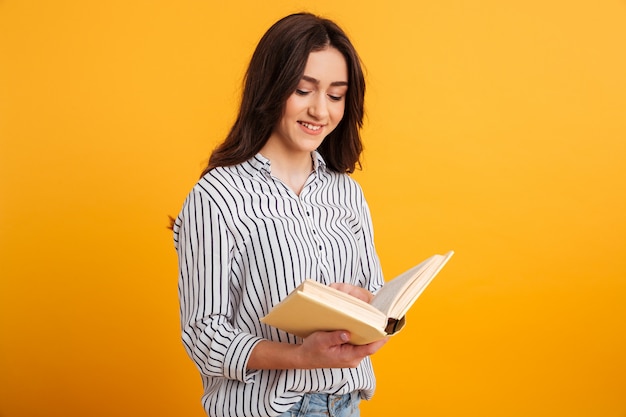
x: 275, y: 70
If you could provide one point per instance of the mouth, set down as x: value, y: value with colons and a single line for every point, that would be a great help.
x: 311, y: 126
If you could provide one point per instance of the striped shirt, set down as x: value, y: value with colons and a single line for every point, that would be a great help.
x: 244, y: 241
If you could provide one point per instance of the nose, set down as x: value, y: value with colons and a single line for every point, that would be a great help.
x: 318, y: 107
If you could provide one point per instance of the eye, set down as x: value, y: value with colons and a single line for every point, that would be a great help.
x: 335, y: 98
x: 301, y: 92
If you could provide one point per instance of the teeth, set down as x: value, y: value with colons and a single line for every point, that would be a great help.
x: 310, y: 126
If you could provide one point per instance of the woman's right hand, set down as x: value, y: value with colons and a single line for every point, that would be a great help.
x: 333, y: 350
x: 319, y: 350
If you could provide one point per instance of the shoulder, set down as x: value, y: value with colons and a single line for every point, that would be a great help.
x: 214, y: 179
x: 221, y: 182
x: 211, y: 195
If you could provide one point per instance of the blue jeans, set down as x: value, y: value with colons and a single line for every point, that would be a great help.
x: 326, y: 405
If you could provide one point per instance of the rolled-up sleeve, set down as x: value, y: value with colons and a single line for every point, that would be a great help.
x: 205, y: 246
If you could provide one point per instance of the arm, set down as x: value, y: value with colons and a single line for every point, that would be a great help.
x: 319, y: 350
x: 204, y: 246
x: 370, y: 274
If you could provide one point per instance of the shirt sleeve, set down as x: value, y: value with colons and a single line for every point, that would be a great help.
x: 371, y: 275
x: 204, y: 248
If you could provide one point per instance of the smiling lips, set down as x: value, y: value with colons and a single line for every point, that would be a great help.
x: 313, y: 128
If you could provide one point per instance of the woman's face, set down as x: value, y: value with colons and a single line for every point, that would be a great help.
x: 317, y: 106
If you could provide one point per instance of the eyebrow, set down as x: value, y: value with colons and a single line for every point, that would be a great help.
x: 316, y: 81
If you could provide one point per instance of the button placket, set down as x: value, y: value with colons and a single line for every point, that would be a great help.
x: 311, y: 226
x: 309, y: 214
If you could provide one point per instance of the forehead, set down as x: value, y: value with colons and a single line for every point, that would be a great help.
x: 327, y: 65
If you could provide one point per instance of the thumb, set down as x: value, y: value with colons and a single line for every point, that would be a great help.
x: 339, y: 337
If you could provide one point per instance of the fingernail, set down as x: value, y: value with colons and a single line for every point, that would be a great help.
x: 345, y: 337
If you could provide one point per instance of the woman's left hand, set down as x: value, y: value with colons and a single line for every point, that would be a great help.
x: 353, y: 290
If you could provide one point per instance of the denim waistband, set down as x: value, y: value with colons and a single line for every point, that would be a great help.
x: 321, y: 404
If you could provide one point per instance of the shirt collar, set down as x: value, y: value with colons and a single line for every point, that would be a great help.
x: 263, y: 165
x: 260, y: 163
x: 318, y: 161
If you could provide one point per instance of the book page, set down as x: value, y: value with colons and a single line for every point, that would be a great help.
x: 399, y: 294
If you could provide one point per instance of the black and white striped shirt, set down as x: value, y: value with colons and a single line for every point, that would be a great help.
x: 244, y: 241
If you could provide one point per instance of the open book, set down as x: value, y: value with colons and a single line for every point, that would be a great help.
x: 313, y: 306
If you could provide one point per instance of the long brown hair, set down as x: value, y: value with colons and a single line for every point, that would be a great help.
x: 275, y: 69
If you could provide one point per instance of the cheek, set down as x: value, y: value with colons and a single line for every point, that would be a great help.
x: 293, y: 106
x: 338, y: 112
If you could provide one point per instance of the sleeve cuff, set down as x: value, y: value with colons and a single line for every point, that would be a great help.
x: 237, y: 356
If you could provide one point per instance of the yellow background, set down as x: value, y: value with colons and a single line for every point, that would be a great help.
x: 494, y: 128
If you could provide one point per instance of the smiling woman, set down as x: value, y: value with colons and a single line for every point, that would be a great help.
x: 274, y: 207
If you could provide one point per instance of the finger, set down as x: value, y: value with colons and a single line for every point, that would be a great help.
x: 358, y: 292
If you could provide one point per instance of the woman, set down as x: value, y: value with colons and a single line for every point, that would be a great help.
x: 275, y: 206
